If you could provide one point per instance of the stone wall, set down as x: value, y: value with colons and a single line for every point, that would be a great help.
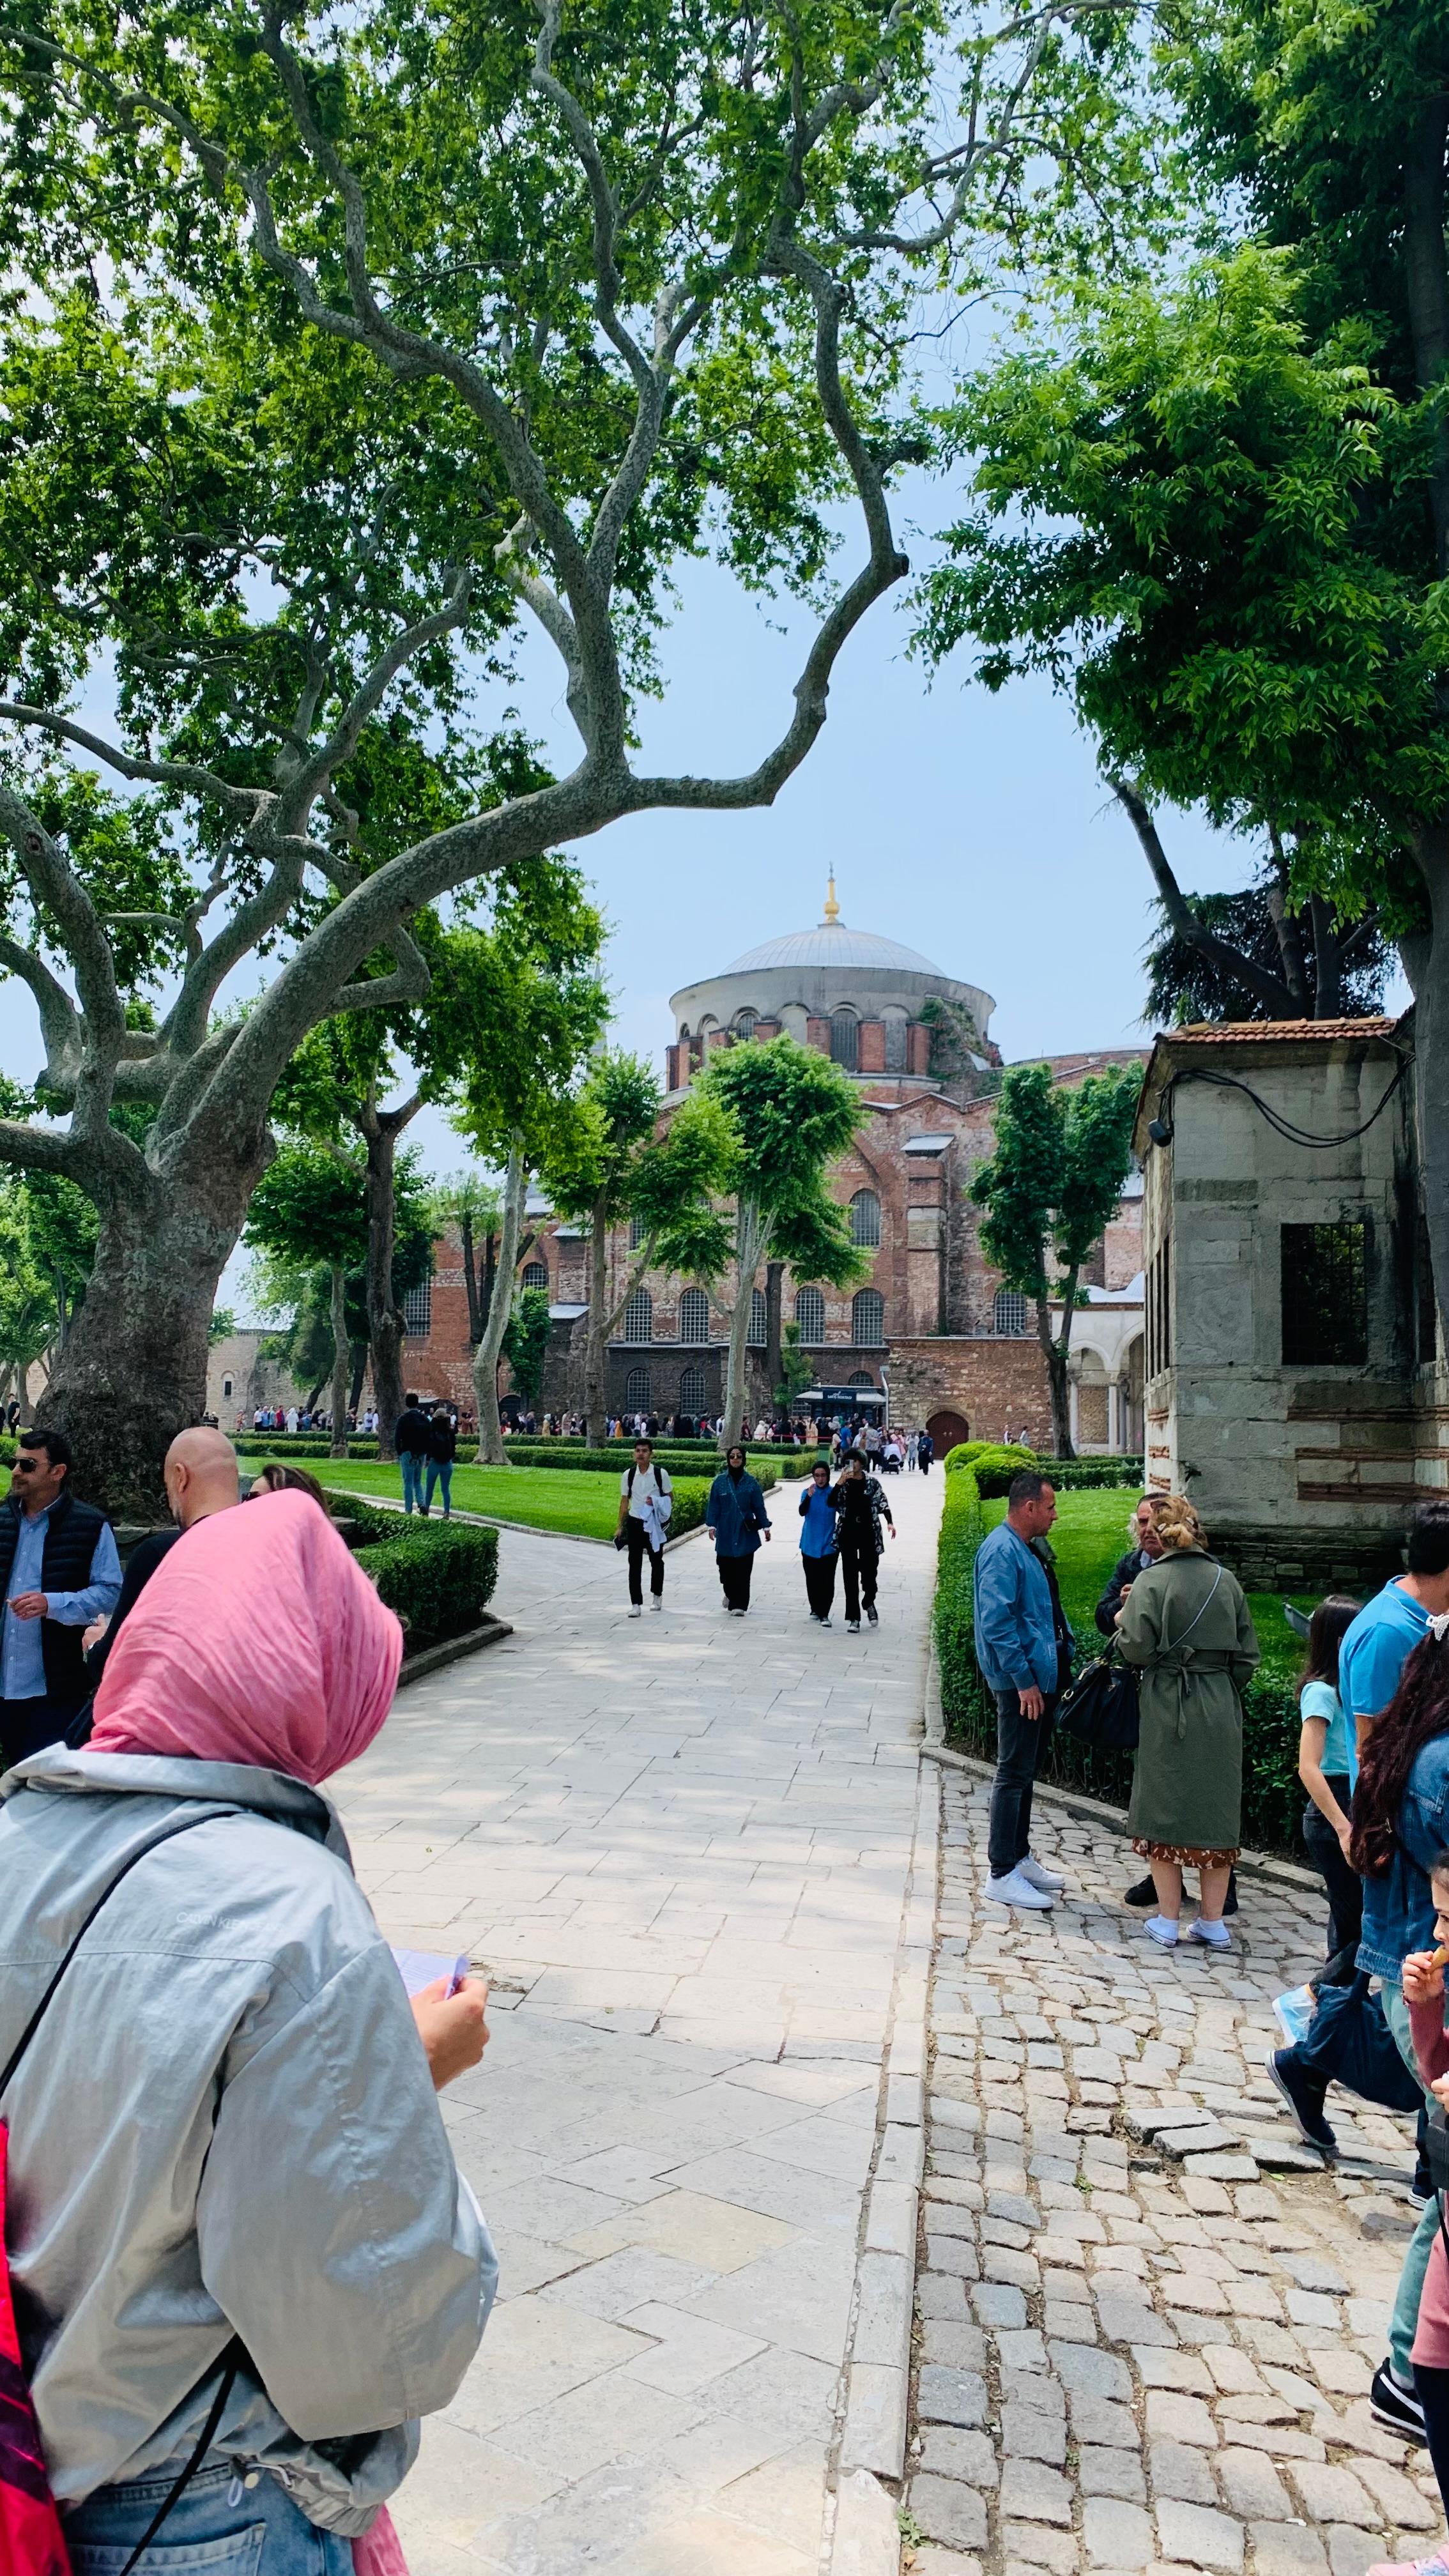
x: 995, y: 1385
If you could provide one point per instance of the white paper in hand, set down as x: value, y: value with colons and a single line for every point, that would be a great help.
x: 419, y: 1968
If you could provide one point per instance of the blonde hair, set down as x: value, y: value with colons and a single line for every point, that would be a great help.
x: 1177, y: 1523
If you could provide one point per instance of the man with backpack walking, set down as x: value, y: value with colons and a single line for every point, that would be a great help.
x: 646, y: 1500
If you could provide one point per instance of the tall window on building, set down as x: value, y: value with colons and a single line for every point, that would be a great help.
x: 226, y: 1389
x: 744, y: 1024
x: 895, y: 1045
x: 845, y: 1039
x: 1325, y: 1295
x: 694, y: 1316
x: 865, y: 1218
x: 693, y: 1391
x: 636, y: 1234
x: 1010, y: 1313
x: 534, y: 1274
x: 759, y: 1319
x: 1159, y: 1311
x: 418, y: 1310
x: 867, y: 1320
x: 810, y: 1314
x: 637, y: 1398
x: 639, y: 1317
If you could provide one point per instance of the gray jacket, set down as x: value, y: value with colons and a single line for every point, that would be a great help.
x: 224, y: 2125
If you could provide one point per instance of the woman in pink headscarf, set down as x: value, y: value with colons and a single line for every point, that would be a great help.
x: 237, y: 2231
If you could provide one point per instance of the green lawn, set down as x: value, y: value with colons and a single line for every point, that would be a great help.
x: 585, y: 1505
x: 1089, y: 1536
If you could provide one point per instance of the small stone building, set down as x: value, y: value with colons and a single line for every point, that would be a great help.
x: 1291, y: 1381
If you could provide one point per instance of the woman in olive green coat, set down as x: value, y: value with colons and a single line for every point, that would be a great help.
x: 1185, y: 1625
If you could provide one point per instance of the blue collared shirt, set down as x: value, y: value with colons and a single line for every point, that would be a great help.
x: 22, y: 1655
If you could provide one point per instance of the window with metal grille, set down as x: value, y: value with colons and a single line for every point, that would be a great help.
x: 534, y: 1274
x: 860, y: 1377
x: 867, y: 1320
x: 845, y: 1039
x: 418, y: 1309
x: 1159, y: 1311
x: 865, y: 1218
x: 895, y: 1046
x: 636, y: 1233
x: 1325, y: 1295
x: 693, y: 1391
x: 1010, y: 1313
x: 639, y: 1317
x: 744, y: 1024
x: 637, y: 1398
x: 759, y: 1319
x: 810, y: 1314
x: 694, y: 1316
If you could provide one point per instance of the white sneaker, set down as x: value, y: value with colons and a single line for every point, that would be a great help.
x: 636, y: 1610
x: 1014, y: 1889
x: 852, y: 1627
x: 1161, y: 1929
x: 1213, y: 1936
x: 826, y: 1623
x: 1036, y: 1874
x: 656, y: 1600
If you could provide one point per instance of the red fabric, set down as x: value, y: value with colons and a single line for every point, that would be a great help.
x: 379, y: 2552
x: 30, y: 2534
x: 258, y: 1640
x: 1431, y: 2336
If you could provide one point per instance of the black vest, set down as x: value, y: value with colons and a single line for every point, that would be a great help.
x: 65, y: 1566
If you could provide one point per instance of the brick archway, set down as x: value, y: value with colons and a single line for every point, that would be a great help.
x: 948, y: 1430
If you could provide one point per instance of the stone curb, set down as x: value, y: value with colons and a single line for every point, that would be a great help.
x: 489, y: 1632
x: 1114, y: 1820
x: 867, y: 2540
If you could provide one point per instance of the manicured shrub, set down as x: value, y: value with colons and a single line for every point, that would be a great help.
x: 969, y: 1453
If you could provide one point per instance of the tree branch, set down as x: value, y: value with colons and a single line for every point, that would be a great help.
x: 246, y: 801
x: 1245, y: 971
x: 59, y: 1019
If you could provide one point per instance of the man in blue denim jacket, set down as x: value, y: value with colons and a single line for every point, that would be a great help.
x: 1024, y: 1649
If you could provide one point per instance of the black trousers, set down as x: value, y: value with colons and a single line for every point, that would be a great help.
x: 28, y: 1725
x: 734, y: 1574
x: 1433, y: 2391
x: 857, y: 1565
x: 1021, y: 1744
x: 637, y: 1541
x: 1345, y: 1889
x: 820, y: 1583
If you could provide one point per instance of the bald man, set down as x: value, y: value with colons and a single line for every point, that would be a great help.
x: 200, y: 1476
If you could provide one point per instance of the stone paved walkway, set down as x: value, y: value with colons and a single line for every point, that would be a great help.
x: 680, y: 1847
x: 1147, y: 2318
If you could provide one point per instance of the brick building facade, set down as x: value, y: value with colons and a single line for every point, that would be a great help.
x: 930, y: 1323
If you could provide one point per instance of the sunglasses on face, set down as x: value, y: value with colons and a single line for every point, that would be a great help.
x: 26, y: 1467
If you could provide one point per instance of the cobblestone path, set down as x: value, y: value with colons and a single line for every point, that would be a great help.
x: 1147, y: 2319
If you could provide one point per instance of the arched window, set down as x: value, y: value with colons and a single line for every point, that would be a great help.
x: 759, y: 1319
x: 865, y: 1218
x: 636, y: 1391
x: 639, y: 1317
x: 534, y: 1275
x: 693, y: 1391
x: 845, y: 1039
x: 1010, y: 1312
x: 226, y: 1389
x: 895, y: 1044
x: 860, y: 1377
x: 418, y: 1309
x: 694, y: 1316
x: 810, y: 1314
x: 867, y: 1320
x: 745, y: 1024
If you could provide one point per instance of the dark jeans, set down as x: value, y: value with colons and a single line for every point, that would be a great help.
x: 1021, y: 1744
x: 1345, y: 1890
x: 820, y: 1583
x: 734, y: 1574
x: 858, y: 1564
x: 636, y: 1539
x: 28, y: 1725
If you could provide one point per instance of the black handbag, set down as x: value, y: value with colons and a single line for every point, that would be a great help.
x: 1100, y: 1707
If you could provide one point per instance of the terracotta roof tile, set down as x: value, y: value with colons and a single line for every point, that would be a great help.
x: 1272, y: 1032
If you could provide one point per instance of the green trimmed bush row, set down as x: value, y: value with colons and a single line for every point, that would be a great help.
x: 439, y: 1578
x: 994, y: 1465
x: 1273, y: 1794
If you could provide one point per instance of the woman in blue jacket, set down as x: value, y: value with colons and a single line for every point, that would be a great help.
x: 819, y: 1541
x: 736, y: 1515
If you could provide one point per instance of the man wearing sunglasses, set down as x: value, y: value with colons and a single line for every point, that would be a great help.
x: 59, y: 1570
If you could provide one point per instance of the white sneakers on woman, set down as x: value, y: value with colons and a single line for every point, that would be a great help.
x: 1031, y: 1886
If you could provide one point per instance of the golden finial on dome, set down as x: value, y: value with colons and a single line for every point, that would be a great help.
x: 832, y: 908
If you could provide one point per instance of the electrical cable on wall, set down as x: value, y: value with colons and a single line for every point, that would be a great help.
x: 1160, y: 1128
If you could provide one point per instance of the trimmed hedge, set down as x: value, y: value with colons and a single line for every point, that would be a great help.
x: 679, y: 1462
x: 438, y: 1576
x: 994, y: 1465
x: 1273, y: 1794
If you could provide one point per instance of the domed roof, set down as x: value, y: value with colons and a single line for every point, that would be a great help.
x: 832, y: 943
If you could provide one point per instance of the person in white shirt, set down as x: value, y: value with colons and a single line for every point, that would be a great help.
x: 646, y: 1499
